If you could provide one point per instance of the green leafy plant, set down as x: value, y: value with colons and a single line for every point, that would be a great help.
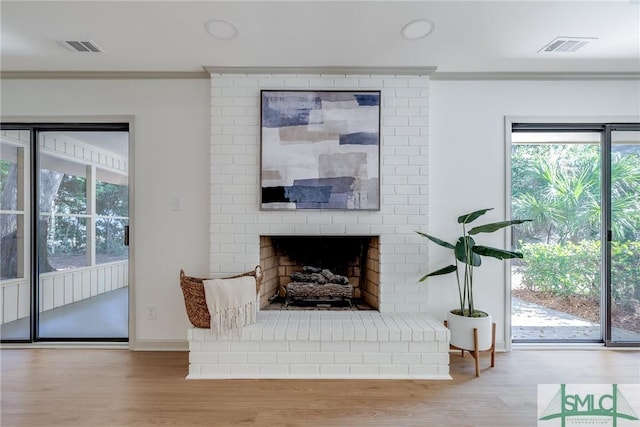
x: 573, y: 269
x: 467, y: 253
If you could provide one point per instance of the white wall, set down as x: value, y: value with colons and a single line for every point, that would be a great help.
x: 171, y: 158
x: 172, y: 153
x: 468, y: 168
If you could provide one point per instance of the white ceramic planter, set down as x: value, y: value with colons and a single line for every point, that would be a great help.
x: 461, y: 328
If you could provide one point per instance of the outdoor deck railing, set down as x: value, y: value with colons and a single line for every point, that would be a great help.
x: 59, y: 288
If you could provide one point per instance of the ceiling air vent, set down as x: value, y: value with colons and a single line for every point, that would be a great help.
x: 82, y: 46
x: 566, y: 44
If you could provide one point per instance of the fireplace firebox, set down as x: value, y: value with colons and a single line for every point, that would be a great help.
x: 345, y: 267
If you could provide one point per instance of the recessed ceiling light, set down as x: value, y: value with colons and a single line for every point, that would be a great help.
x: 417, y: 29
x: 221, y: 29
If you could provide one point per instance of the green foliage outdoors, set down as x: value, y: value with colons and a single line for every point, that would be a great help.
x: 558, y: 186
x: 573, y: 269
x: 63, y: 220
x: 71, y: 196
x: 5, y: 166
x: 68, y: 234
x: 112, y: 200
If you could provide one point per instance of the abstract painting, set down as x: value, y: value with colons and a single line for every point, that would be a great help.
x: 320, y: 150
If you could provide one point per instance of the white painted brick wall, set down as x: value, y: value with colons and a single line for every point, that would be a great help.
x: 236, y: 218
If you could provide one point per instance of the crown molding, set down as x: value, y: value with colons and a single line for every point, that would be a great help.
x: 536, y: 76
x: 104, y: 75
x: 408, y: 71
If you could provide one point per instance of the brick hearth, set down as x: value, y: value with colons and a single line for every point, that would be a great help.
x: 324, y: 344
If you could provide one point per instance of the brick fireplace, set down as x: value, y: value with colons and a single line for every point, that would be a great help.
x: 399, y: 339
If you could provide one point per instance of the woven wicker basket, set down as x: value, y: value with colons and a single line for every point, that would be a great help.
x: 194, y: 299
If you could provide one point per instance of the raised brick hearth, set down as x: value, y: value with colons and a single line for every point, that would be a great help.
x: 324, y: 344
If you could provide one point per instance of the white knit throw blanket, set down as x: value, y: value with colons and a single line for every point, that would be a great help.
x: 231, y: 304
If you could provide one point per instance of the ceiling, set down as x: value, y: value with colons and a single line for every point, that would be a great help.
x: 469, y: 36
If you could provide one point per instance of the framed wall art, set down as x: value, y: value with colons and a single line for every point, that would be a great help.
x: 320, y: 150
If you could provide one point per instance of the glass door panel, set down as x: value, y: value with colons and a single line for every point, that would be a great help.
x: 15, y: 274
x: 556, y: 287
x: 625, y: 236
x: 83, y: 211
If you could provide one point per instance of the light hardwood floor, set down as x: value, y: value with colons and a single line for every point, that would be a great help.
x: 78, y: 387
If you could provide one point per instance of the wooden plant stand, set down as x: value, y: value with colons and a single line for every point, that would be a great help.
x: 476, y: 353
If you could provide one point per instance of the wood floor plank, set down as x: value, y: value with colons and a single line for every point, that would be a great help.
x: 88, y: 387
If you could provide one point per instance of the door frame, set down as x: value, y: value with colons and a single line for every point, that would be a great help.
x: 79, y: 120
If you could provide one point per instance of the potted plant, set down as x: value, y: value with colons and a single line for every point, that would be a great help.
x: 467, y: 254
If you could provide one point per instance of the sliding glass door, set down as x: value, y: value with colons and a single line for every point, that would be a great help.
x: 579, y: 280
x: 64, y: 225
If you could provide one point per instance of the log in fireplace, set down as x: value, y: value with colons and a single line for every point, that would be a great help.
x: 354, y: 257
x: 316, y: 285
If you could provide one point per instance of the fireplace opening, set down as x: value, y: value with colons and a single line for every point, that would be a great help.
x: 320, y: 272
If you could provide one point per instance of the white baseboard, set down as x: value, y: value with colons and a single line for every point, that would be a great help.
x: 68, y: 345
x: 160, y: 345
x: 139, y: 345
